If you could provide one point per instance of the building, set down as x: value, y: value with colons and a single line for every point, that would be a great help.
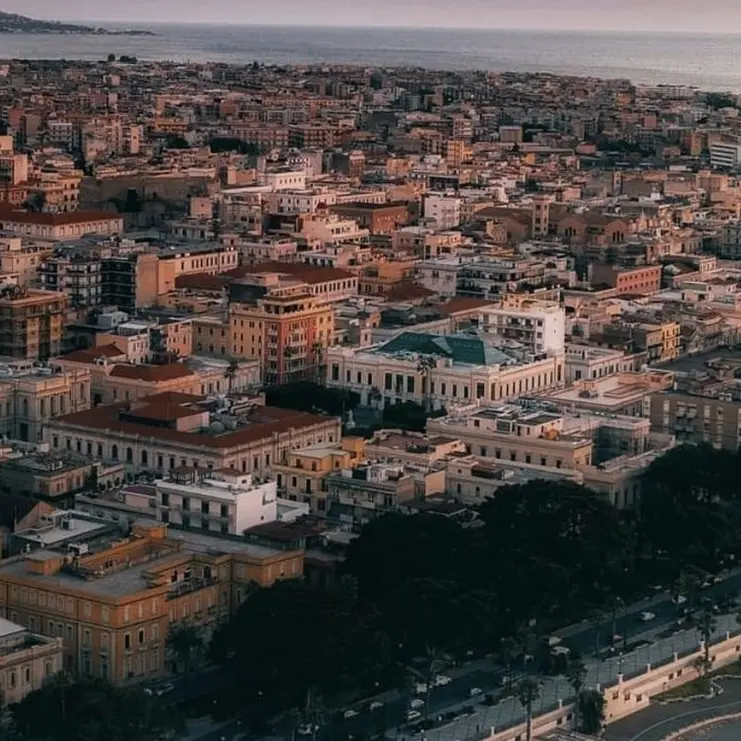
x: 225, y: 501
x: 377, y: 218
x: 167, y: 431
x: 31, y: 323
x: 642, y: 280
x: 30, y: 395
x: 61, y: 226
x: 441, y: 370
x: 23, y: 258
x: 110, y: 591
x: 610, y: 452
x: 725, y: 155
x: 78, y: 276
x: 444, y: 210
x: 537, y: 325
x: 57, y: 476
x: 27, y: 660
x: 288, y: 329
x: 130, y: 281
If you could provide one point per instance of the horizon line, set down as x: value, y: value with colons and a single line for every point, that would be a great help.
x: 376, y: 26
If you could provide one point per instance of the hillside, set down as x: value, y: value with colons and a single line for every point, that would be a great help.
x: 13, y: 23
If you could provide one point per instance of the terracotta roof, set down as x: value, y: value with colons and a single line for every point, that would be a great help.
x: 202, y: 281
x: 90, y: 355
x: 407, y: 290
x: 307, y: 273
x: 151, y: 373
x: 456, y: 305
x: 271, y: 421
x: 76, y: 217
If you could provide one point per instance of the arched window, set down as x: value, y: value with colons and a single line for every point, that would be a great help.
x: 114, y: 452
x: 145, y: 458
x: 129, y: 455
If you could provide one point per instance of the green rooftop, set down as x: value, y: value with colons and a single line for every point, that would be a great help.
x: 462, y: 349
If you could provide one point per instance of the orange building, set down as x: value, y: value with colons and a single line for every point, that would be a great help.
x: 112, y: 596
x: 31, y: 323
x: 639, y: 280
x: 288, y: 329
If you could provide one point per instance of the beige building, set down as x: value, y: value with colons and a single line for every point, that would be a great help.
x: 21, y: 258
x: 31, y: 323
x: 61, y: 226
x: 170, y: 430
x: 27, y: 660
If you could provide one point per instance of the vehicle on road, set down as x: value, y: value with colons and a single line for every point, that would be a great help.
x: 159, y: 690
x: 647, y: 617
x: 349, y: 713
x: 413, y: 715
x: 474, y: 691
x: 306, y: 729
x: 679, y: 599
x: 441, y: 680
x: 420, y: 688
x: 709, y: 581
x: 375, y: 705
x: 416, y: 703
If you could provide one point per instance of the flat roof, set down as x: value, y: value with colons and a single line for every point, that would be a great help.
x: 8, y: 629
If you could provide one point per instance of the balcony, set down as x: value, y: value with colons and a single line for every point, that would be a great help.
x: 188, y: 586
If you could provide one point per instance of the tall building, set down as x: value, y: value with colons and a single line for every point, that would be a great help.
x: 288, y: 329
x: 129, y: 281
x: 78, y: 276
x: 31, y: 323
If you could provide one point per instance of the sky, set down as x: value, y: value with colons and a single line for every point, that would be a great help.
x: 629, y: 15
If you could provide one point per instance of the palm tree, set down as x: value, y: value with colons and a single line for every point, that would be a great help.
x: 706, y: 627
x: 185, y: 642
x: 576, y: 673
x: 702, y: 666
x: 528, y: 691
x: 591, y: 704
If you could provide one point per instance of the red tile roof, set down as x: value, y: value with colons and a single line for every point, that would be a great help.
x: 90, y: 355
x: 271, y: 421
x: 307, y: 273
x: 151, y: 373
x: 75, y: 217
x: 456, y: 305
x: 202, y: 281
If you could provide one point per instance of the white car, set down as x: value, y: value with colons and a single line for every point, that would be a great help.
x: 420, y: 688
x: 441, y: 680
x: 413, y: 715
x: 375, y: 705
x: 647, y: 617
x: 349, y: 713
x: 474, y: 691
x: 680, y: 599
x: 306, y: 729
x: 416, y: 704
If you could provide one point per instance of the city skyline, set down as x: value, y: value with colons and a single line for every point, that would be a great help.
x: 632, y: 15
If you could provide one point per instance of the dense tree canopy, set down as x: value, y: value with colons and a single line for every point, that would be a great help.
x: 91, y: 710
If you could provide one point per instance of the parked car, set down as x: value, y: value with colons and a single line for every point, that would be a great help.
x: 709, y: 581
x: 160, y: 690
x: 647, y: 617
x: 349, y: 713
x: 413, y: 715
x: 420, y: 688
x: 306, y: 729
x: 416, y: 703
x: 474, y: 691
x: 441, y: 680
x: 679, y: 599
x: 375, y: 705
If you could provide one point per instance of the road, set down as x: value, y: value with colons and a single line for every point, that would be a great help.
x: 645, y: 646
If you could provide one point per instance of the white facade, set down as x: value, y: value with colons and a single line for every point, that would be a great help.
x: 539, y: 326
x: 399, y: 378
x: 440, y: 276
x: 443, y: 209
x: 723, y: 154
x: 283, y: 179
x: 227, y: 502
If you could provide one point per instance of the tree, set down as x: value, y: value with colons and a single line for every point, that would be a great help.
x: 111, y: 57
x: 185, y: 643
x: 590, y: 707
x: 92, y: 710
x: 528, y: 692
x: 706, y: 627
x: 576, y: 673
x: 290, y: 644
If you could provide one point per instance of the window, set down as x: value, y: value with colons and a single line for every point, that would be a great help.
x: 388, y: 381
x: 141, y: 637
x: 127, y: 641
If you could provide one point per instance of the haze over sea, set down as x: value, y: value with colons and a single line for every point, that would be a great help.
x: 707, y: 61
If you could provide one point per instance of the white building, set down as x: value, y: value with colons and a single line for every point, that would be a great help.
x: 441, y: 370
x: 444, y: 210
x: 283, y: 179
x: 536, y: 324
x: 225, y: 501
x: 725, y: 155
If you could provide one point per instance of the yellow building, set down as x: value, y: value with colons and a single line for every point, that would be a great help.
x: 302, y: 478
x: 111, y: 597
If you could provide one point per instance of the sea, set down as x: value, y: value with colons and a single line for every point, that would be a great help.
x: 705, y: 61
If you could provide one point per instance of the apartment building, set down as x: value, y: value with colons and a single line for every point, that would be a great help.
x: 377, y: 218
x: 24, y: 258
x: 303, y: 475
x: 642, y: 280
x: 225, y: 501
x: 537, y: 325
x: 60, y: 226
x: 170, y: 430
x: 130, y: 281
x: 441, y: 370
x: 175, y: 261
x: 31, y: 323
x: 442, y: 209
x: 27, y: 660
x: 78, y: 276
x: 288, y: 329
x: 110, y: 592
